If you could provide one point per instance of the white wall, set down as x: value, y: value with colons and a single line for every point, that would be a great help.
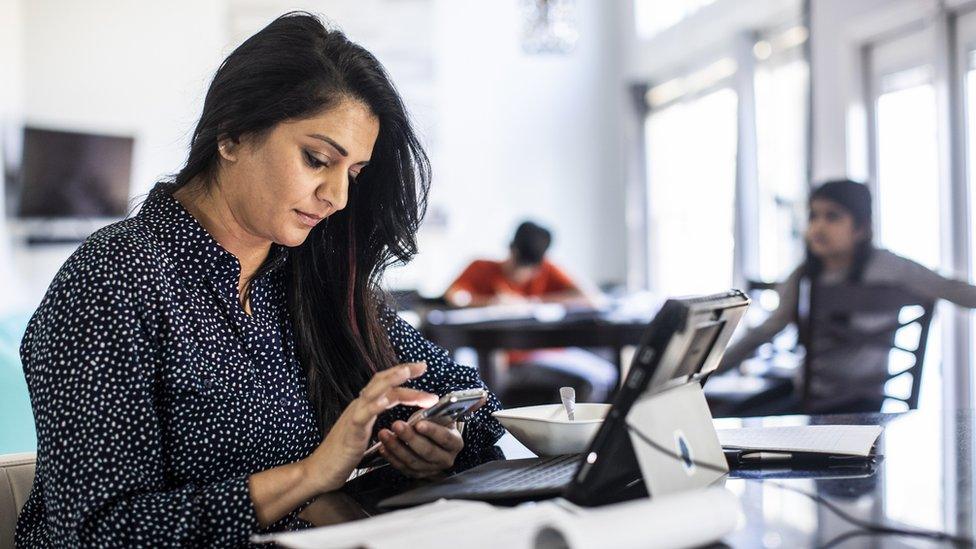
x: 511, y: 135
x: 11, y: 83
x: 115, y: 67
x: 525, y: 136
x: 11, y: 72
x: 118, y: 66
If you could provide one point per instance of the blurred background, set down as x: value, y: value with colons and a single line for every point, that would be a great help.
x: 669, y: 145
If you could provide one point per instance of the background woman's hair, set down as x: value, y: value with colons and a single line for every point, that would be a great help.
x: 295, y: 68
x: 855, y: 199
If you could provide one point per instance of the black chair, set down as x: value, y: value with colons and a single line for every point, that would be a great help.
x: 830, y: 328
x: 753, y: 286
x: 755, y: 289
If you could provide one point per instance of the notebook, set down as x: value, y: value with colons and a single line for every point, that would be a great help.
x: 836, y: 440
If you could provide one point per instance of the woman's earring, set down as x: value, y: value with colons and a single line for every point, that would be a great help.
x: 225, y: 150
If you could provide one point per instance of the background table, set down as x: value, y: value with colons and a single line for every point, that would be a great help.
x: 487, y: 337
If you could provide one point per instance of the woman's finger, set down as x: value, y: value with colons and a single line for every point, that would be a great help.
x: 424, y: 447
x: 410, y: 397
x: 399, y: 450
x: 392, y: 377
x: 447, y: 437
x: 393, y: 397
x: 404, y: 468
x: 396, y: 463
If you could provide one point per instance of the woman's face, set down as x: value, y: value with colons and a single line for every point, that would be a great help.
x: 831, y: 230
x: 279, y: 186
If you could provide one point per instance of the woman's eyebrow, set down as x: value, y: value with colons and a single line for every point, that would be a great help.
x: 330, y: 141
x: 337, y: 146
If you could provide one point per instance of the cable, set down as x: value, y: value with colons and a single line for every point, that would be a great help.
x: 868, y: 527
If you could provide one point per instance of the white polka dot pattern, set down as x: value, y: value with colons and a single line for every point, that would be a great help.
x: 155, y: 396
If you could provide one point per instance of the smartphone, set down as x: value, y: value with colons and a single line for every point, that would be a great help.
x: 449, y: 408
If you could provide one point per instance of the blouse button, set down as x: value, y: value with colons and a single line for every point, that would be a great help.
x: 207, y: 383
x: 283, y: 401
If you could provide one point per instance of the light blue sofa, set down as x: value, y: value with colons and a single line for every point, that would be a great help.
x: 16, y: 419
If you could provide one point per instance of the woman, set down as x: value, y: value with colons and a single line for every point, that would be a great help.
x: 840, y: 250
x: 200, y: 371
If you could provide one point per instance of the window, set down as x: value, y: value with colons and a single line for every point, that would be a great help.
x: 691, y: 193
x: 907, y: 174
x: 908, y: 165
x: 781, y: 121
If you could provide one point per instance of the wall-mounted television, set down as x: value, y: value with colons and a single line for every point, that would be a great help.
x: 73, y: 175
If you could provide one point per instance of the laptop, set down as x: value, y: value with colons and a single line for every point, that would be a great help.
x: 682, y: 345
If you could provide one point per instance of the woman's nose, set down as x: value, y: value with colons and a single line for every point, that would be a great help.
x: 335, y: 190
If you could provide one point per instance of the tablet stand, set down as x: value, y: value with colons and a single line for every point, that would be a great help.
x: 674, y: 440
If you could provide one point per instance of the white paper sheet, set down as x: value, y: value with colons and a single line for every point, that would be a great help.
x: 667, y: 522
x: 844, y: 440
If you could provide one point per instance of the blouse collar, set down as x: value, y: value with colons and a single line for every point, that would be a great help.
x: 190, y: 247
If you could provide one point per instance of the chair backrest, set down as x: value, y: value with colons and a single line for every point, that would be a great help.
x: 16, y: 478
x: 756, y: 288
x: 834, y: 305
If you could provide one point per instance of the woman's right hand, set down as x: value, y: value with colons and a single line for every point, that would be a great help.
x: 332, y: 462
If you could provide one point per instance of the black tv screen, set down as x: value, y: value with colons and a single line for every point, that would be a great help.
x: 69, y: 174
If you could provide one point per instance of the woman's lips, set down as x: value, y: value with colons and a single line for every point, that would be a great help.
x: 308, y: 219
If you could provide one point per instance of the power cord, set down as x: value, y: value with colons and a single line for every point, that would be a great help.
x: 869, y: 528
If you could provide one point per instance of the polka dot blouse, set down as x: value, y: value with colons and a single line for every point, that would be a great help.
x: 155, y: 396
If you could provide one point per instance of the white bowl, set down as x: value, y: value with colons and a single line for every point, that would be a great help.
x: 548, y: 432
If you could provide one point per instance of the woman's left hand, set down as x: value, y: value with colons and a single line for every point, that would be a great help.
x: 422, y: 450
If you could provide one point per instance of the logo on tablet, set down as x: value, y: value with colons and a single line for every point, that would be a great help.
x: 683, y: 448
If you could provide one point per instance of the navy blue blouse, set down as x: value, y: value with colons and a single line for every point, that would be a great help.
x: 155, y: 396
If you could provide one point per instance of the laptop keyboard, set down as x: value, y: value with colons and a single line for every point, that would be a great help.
x: 548, y: 475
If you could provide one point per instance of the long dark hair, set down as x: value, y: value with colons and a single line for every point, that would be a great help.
x: 295, y: 68
x: 854, y: 198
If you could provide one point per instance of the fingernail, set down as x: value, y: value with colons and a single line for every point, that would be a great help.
x: 421, y: 427
x: 398, y: 427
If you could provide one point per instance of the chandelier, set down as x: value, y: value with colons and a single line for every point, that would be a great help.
x: 549, y: 26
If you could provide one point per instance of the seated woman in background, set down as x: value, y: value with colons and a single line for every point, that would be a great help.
x: 840, y: 250
x: 526, y: 276
x: 201, y: 371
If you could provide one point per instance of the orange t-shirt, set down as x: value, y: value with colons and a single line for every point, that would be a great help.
x: 483, y: 278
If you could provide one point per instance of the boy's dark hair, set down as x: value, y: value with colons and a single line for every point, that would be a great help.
x: 530, y: 244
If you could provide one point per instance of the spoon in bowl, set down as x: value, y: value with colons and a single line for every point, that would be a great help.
x: 568, y: 396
